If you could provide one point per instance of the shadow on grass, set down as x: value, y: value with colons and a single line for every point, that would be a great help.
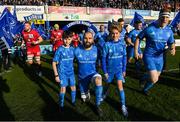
x: 5, y: 114
x: 134, y: 114
x: 51, y: 109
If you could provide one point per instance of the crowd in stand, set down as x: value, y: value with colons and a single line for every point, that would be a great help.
x: 127, y: 4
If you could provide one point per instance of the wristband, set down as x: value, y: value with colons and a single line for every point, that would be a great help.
x: 56, y: 76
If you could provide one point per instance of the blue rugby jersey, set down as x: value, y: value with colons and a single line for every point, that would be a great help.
x: 64, y: 56
x: 114, y: 57
x: 86, y: 61
x: 156, y: 39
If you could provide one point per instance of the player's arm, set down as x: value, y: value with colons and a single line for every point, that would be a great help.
x: 172, y: 49
x: 136, y: 45
x: 104, y: 54
x: 171, y: 44
x: 54, y: 66
x: 124, y: 61
x: 129, y: 36
x: 129, y: 41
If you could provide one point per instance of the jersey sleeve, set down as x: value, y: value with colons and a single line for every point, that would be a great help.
x: 171, y: 38
x: 104, y: 55
x: 130, y: 34
x: 142, y: 34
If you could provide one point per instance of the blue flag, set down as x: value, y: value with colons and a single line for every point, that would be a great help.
x: 5, y: 30
x: 176, y: 20
x: 42, y: 32
x: 137, y: 17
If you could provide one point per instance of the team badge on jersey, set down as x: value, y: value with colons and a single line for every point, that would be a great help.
x: 31, y: 36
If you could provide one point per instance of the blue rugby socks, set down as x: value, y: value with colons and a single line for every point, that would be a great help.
x: 98, y: 92
x: 73, y: 96
x: 122, y: 97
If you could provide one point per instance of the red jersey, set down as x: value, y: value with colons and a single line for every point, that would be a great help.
x: 75, y: 40
x: 56, y: 37
x: 29, y: 37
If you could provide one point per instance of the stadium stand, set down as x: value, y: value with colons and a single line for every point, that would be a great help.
x: 126, y: 4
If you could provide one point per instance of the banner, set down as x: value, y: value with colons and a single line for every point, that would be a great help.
x: 34, y: 17
x: 20, y: 9
x: 66, y: 10
x: 86, y: 23
x: 130, y: 12
x: 109, y: 11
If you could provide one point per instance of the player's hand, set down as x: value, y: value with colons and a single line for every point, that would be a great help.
x: 124, y: 74
x: 57, y: 79
x: 33, y: 43
x: 173, y: 51
x: 106, y: 76
x: 136, y: 55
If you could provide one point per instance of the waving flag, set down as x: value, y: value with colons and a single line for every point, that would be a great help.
x: 10, y: 26
x: 5, y: 30
x: 42, y: 32
x: 137, y: 17
x: 176, y: 20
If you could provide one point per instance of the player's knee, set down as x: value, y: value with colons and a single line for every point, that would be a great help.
x: 98, y: 80
x: 63, y: 89
x: 120, y: 84
x: 73, y: 88
x: 29, y: 62
x: 154, y: 79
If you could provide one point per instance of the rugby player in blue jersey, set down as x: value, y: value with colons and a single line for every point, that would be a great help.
x: 86, y: 55
x: 114, y: 64
x: 123, y: 33
x: 131, y: 40
x: 158, y: 35
x: 64, y: 70
x: 130, y: 48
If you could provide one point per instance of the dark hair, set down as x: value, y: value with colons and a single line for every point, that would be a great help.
x: 138, y: 21
x: 120, y: 20
x: 67, y: 34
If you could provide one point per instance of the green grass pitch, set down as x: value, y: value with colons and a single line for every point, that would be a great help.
x: 25, y: 96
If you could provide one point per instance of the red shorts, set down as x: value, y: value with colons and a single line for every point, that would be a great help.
x: 56, y: 45
x: 35, y: 51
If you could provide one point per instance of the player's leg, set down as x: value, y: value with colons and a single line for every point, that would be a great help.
x: 119, y: 78
x: 73, y: 89
x: 63, y: 84
x: 130, y: 54
x: 84, y: 88
x: 107, y: 85
x: 61, y: 97
x: 97, y: 79
x: 38, y: 62
x: 154, y: 73
x: 138, y: 64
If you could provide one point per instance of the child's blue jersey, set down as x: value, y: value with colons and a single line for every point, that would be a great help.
x: 156, y: 39
x: 86, y: 61
x: 114, y: 57
x: 64, y: 56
